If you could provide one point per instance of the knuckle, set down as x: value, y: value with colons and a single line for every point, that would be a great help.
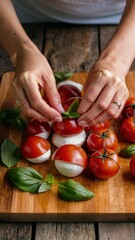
x: 103, y: 105
x: 112, y: 113
x: 89, y: 98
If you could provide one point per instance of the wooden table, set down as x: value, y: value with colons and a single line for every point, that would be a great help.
x: 67, y: 48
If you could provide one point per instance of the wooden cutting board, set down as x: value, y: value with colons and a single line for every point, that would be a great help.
x: 114, y: 198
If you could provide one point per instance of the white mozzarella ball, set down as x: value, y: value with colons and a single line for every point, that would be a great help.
x: 77, y: 139
x: 68, y: 169
x: 42, y: 158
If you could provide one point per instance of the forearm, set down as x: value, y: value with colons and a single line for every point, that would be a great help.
x: 12, y: 34
x: 121, y: 48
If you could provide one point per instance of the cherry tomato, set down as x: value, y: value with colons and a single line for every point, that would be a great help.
x: 97, y: 127
x: 104, y: 164
x: 36, y: 127
x: 34, y: 146
x: 102, y: 138
x: 129, y: 108
x: 128, y: 129
x: 68, y: 91
x: 132, y: 166
x: 68, y: 126
x: 70, y: 160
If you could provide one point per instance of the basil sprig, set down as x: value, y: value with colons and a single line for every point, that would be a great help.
x: 12, y: 117
x: 72, y: 110
x: 127, y: 151
x: 29, y: 180
x: 10, y: 153
x: 62, y: 76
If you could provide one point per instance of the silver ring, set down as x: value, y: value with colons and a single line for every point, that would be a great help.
x: 118, y: 104
x: 20, y: 105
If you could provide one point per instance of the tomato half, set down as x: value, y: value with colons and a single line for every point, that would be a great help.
x: 72, y: 154
x: 68, y: 91
x: 34, y: 146
x: 132, y: 166
x: 129, y: 108
x: 67, y: 127
x: 35, y: 127
x: 102, y: 138
x: 104, y: 164
x: 128, y: 129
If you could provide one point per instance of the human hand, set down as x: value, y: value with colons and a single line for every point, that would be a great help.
x: 33, y: 72
x: 105, y: 94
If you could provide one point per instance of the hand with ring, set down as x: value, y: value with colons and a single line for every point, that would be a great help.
x: 32, y: 73
x: 105, y: 94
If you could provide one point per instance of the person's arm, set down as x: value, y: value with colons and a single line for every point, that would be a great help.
x: 105, y: 86
x: 32, y: 68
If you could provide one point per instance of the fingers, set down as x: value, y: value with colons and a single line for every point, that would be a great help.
x: 31, y: 100
x: 101, y: 99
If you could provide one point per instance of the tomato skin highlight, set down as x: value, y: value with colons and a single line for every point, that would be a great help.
x: 129, y: 108
x: 72, y: 154
x: 67, y: 127
x: 34, y: 146
x: 68, y: 91
x: 104, y: 168
x: 35, y: 127
x: 103, y: 138
x: 104, y: 125
x: 128, y: 129
x: 132, y: 166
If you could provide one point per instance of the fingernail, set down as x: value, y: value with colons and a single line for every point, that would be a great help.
x: 82, y: 123
x: 61, y: 108
x: 58, y: 119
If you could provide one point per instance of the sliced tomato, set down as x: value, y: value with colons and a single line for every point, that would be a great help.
x: 35, y: 127
x: 68, y: 91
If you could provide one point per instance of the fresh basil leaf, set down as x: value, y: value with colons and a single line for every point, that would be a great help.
x: 71, y: 112
x: 50, y: 178
x: 62, y: 76
x: 74, y: 115
x: 44, y: 187
x: 26, y: 179
x: 73, y: 107
x: 73, y: 191
x: 127, y: 151
x: 17, y: 122
x: 10, y: 153
x: 9, y: 113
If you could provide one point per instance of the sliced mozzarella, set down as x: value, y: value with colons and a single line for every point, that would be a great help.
x: 68, y: 169
x: 41, y: 158
x: 77, y: 139
x: 70, y: 82
x: 44, y: 134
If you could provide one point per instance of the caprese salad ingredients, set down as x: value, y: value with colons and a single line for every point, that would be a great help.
x: 70, y: 160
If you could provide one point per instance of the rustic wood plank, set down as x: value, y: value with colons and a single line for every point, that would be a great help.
x: 71, y: 48
x: 116, y: 231
x: 15, y: 231
x: 66, y: 231
x: 106, y: 33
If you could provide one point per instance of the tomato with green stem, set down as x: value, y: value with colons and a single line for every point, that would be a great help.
x: 104, y: 163
x: 104, y: 138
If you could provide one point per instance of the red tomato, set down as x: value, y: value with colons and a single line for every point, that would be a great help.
x: 102, y: 138
x: 34, y: 146
x: 97, y: 127
x: 132, y: 166
x: 72, y: 154
x: 68, y: 91
x: 104, y: 164
x: 35, y: 127
x: 69, y: 101
x: 67, y: 127
x: 129, y: 108
x: 128, y: 129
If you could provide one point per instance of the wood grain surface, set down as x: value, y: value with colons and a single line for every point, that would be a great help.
x: 114, y: 198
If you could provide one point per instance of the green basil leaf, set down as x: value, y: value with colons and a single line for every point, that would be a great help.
x: 62, y: 76
x: 19, y: 123
x: 9, y: 113
x: 73, y: 191
x: 73, y: 107
x: 127, y: 151
x: 50, y: 178
x: 74, y: 115
x: 26, y: 179
x: 10, y: 153
x: 71, y: 112
x: 44, y: 187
